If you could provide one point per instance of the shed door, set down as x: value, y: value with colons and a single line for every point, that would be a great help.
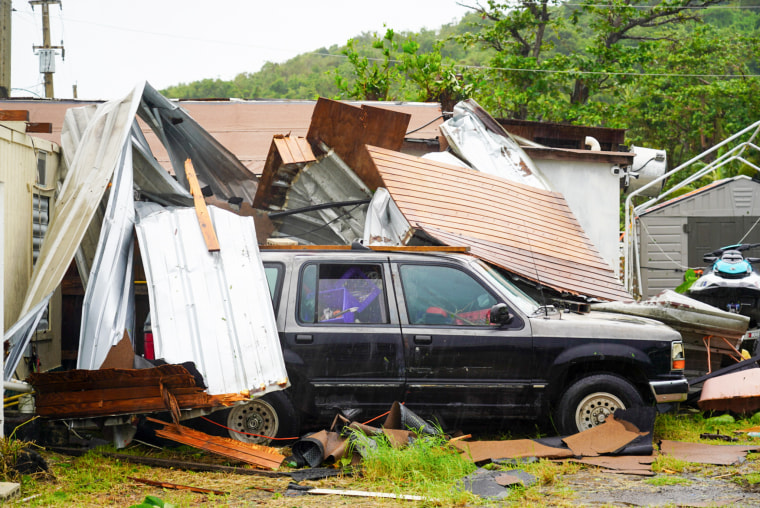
x: 707, y: 234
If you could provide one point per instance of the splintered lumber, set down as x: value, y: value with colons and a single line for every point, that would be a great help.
x: 207, y: 228
x: 92, y: 393
x: 257, y: 455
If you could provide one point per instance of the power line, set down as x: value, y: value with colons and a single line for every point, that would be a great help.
x: 567, y: 71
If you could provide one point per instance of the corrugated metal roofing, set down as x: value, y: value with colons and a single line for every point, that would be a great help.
x: 528, y: 231
x: 108, y: 309
x: 211, y: 308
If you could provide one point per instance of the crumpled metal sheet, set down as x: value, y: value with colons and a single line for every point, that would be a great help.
x: 86, y: 182
x: 20, y: 334
x: 108, y: 309
x: 185, y: 139
x: 328, y: 180
x: 480, y: 140
x: 385, y: 224
x: 212, y: 309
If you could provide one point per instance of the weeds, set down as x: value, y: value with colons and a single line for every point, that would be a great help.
x: 428, y: 467
x: 669, y: 464
x: 9, y: 454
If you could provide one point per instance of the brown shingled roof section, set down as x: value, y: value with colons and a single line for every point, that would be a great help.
x: 527, y: 231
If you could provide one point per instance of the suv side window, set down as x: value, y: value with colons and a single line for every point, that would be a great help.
x: 443, y: 295
x: 332, y: 293
x: 274, y: 273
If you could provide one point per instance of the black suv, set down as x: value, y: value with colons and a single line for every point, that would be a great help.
x: 453, y: 339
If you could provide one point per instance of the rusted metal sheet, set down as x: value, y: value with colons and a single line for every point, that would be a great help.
x: 738, y: 392
x: 91, y: 393
x: 527, y: 231
x: 257, y: 455
x: 346, y: 129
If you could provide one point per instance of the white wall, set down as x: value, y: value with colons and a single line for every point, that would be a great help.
x: 593, y: 194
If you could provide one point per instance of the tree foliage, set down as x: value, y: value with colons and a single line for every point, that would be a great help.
x: 678, y: 74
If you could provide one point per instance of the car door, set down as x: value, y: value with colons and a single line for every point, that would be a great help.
x: 342, y: 336
x: 458, y: 364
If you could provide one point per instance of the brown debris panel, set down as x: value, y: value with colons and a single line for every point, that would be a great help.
x: 622, y: 464
x: 346, y: 129
x: 257, y: 455
x: 90, y: 393
x: 719, y: 455
x: 607, y: 438
x: 479, y: 451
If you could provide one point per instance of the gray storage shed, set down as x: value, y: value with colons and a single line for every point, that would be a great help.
x: 676, y: 234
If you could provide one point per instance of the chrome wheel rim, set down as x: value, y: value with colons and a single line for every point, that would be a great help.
x: 255, y: 417
x: 595, y: 408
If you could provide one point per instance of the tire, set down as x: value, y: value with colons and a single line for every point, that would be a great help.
x: 590, y: 400
x: 272, y: 415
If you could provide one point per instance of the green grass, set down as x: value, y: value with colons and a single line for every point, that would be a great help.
x: 428, y: 467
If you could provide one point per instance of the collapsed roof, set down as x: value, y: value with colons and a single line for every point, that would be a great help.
x: 211, y: 308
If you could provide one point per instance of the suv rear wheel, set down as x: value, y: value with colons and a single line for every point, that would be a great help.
x: 269, y: 416
x: 592, y: 399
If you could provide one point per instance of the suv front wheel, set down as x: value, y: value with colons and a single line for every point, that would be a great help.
x: 592, y: 399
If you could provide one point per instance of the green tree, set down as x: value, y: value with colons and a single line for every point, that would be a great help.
x: 373, y: 77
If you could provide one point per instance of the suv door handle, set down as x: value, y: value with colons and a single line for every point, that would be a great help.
x: 304, y: 339
x: 423, y: 339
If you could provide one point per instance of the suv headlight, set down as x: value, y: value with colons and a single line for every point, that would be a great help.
x: 677, y: 358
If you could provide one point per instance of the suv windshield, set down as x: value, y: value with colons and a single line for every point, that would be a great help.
x: 524, y: 302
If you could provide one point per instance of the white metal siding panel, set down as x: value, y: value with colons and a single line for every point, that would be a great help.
x: 663, y: 253
x: 213, y: 309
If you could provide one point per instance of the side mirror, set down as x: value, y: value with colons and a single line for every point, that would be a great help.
x: 500, y: 315
x: 709, y: 258
x: 752, y: 260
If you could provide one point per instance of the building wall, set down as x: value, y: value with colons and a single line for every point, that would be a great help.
x: 593, y: 194
x: 19, y: 156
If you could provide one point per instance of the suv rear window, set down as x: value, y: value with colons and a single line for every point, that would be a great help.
x: 342, y: 293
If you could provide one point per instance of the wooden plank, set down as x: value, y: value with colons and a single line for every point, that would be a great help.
x: 14, y: 115
x: 114, y: 407
x: 207, y: 228
x: 83, y: 397
x: 257, y: 455
x: 176, y: 486
x: 73, y: 380
x: 39, y: 127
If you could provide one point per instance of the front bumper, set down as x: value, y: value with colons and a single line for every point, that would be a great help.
x: 670, y: 391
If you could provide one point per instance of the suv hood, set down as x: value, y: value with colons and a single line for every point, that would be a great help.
x: 601, y: 325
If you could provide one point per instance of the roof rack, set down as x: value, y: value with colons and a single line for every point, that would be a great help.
x: 380, y: 248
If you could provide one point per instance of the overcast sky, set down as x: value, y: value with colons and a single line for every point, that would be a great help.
x: 112, y: 45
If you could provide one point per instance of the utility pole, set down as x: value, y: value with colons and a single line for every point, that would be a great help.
x: 5, y: 48
x: 46, y: 51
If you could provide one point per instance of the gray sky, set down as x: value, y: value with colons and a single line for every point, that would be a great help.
x: 112, y: 45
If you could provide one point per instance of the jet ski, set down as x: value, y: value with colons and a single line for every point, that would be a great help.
x: 730, y: 283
